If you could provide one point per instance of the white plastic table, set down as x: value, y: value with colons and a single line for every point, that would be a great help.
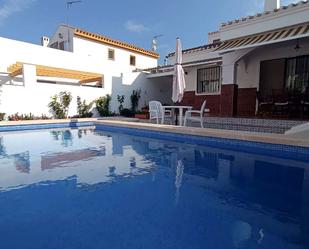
x: 180, y: 108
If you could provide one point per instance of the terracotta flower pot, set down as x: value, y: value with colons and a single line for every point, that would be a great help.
x: 142, y: 116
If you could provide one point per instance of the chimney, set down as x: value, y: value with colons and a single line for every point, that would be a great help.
x: 271, y: 5
x: 44, y: 41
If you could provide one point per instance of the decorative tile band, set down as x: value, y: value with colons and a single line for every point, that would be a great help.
x: 250, y: 124
x: 44, y: 126
x: 278, y: 150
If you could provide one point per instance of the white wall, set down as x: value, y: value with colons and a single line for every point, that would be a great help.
x: 212, y: 36
x: 191, y: 71
x: 99, y: 52
x: 196, y: 56
x: 229, y: 75
x: 30, y: 96
x: 151, y: 89
x: 63, y: 33
x: 283, y: 18
x: 248, y: 69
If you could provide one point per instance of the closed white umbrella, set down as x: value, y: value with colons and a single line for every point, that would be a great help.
x: 179, y: 83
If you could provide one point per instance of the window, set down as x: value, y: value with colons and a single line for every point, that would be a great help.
x: 209, y: 80
x: 132, y: 60
x: 111, y: 54
x: 297, y: 74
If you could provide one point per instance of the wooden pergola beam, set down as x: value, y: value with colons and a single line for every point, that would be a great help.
x: 90, y: 80
x: 16, y: 72
x: 15, y: 69
x: 81, y: 76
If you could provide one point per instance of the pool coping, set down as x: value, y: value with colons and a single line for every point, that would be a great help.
x: 269, y: 138
x: 47, y: 121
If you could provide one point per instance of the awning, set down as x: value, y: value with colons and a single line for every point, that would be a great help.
x: 83, y: 77
x: 279, y: 35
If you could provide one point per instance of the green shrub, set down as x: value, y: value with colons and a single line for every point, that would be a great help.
x: 120, y: 99
x: 102, y: 105
x: 84, y: 109
x: 59, y: 104
x: 135, y: 96
x: 30, y: 116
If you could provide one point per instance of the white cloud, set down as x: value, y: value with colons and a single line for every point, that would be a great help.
x: 11, y: 7
x: 135, y: 27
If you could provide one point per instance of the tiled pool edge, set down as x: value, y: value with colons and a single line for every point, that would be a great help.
x: 221, y: 139
x: 23, y: 127
x: 282, y: 150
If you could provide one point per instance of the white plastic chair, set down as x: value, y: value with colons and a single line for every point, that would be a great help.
x: 199, y: 117
x: 157, y: 112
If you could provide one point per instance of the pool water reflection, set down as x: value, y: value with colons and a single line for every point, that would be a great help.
x: 92, y: 189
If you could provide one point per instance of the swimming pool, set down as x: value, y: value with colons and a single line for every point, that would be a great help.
x: 99, y: 188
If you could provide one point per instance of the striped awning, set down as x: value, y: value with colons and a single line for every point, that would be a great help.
x: 284, y: 34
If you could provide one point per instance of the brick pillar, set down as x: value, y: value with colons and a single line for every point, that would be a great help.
x: 228, y: 100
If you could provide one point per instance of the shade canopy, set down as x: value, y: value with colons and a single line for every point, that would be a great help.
x: 270, y: 37
x: 179, y: 83
x: 47, y: 71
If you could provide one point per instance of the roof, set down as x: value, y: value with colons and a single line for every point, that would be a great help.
x: 274, y: 36
x: 265, y: 13
x: 103, y: 39
x: 197, y: 49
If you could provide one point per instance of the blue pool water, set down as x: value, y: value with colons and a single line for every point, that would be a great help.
x: 91, y: 189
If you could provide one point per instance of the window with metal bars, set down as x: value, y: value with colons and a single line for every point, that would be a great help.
x: 209, y: 80
x: 297, y: 74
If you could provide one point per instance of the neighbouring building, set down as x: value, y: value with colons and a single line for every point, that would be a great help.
x: 83, y: 63
x: 255, y: 65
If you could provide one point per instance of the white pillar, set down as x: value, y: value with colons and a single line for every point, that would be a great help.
x: 29, y: 75
x: 229, y: 66
x: 271, y: 5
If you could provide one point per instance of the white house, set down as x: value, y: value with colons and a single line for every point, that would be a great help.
x: 83, y: 63
x: 252, y: 65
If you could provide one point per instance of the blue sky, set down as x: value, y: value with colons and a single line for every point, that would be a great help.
x: 133, y: 21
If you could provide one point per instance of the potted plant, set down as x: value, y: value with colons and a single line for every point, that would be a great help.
x: 120, y: 99
x: 135, y: 96
x: 145, y: 108
x: 2, y: 115
x: 143, y: 114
